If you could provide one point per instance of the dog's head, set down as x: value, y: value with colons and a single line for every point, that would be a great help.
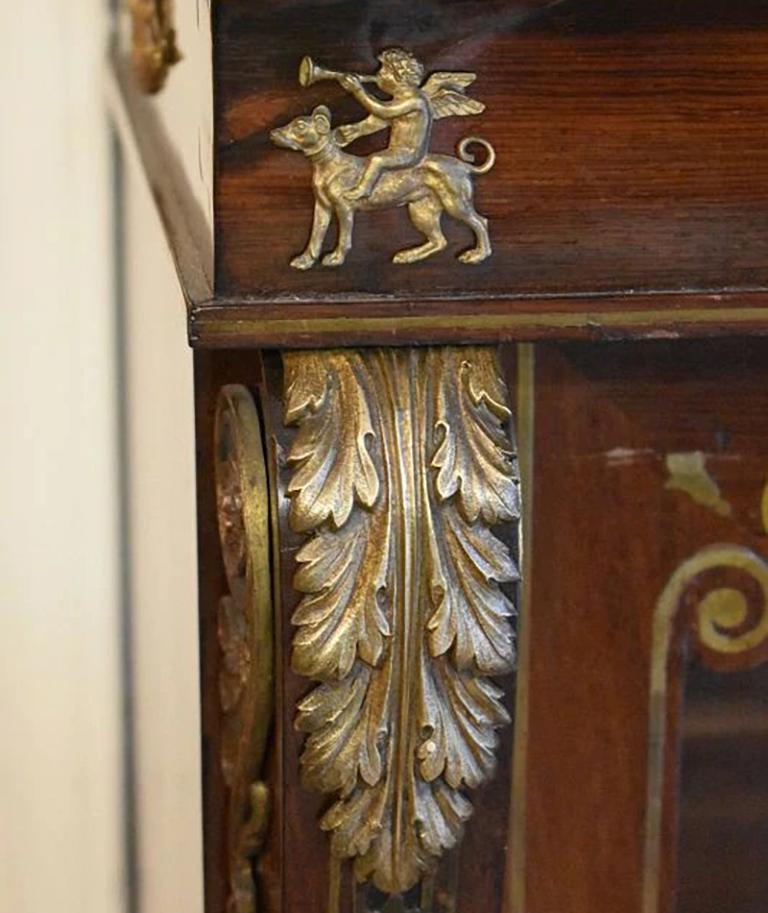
x: 308, y: 133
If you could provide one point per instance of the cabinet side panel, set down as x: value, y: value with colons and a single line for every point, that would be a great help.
x: 644, y: 454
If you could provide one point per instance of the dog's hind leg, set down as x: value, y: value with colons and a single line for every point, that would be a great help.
x: 346, y: 219
x: 310, y: 256
x: 425, y: 215
x: 479, y: 225
x: 457, y: 200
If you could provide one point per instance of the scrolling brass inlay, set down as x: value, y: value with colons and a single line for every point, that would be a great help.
x: 400, y: 467
x: 245, y: 634
x: 154, y: 42
x: 404, y: 174
x: 721, y: 596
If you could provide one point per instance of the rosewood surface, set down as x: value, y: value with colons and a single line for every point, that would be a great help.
x: 629, y: 199
x: 608, y: 532
x: 630, y: 141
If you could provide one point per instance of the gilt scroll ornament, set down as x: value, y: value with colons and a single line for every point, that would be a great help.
x: 245, y: 625
x: 401, y: 465
x: 406, y: 173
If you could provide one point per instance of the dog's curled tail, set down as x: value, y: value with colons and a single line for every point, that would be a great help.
x: 469, y: 157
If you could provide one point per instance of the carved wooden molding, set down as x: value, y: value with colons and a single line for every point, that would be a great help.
x: 400, y: 467
x: 245, y: 634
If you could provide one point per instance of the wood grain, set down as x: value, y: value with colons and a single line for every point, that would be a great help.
x: 630, y: 139
x: 629, y: 199
x: 607, y: 536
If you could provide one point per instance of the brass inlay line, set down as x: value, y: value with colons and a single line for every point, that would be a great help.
x: 264, y: 327
x: 526, y: 389
x: 720, y: 616
x: 334, y: 885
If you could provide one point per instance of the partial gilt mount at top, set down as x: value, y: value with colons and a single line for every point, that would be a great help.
x: 403, y: 174
x: 154, y: 49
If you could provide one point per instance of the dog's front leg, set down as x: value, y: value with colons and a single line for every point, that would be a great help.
x: 346, y: 217
x: 320, y: 225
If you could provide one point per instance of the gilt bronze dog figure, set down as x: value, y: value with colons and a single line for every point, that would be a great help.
x: 405, y: 174
x: 440, y: 183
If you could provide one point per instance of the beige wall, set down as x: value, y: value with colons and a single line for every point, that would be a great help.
x: 164, y: 567
x: 62, y: 845
x: 61, y: 826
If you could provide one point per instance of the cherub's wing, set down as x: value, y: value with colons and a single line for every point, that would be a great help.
x: 447, y: 102
x: 446, y: 95
x: 443, y: 80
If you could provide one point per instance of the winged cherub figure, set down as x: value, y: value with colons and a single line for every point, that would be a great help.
x: 409, y: 115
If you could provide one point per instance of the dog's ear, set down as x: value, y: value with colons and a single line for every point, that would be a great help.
x: 322, y: 118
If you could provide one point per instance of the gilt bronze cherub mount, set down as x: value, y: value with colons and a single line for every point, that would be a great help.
x: 403, y: 174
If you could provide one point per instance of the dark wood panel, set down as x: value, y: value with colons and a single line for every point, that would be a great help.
x: 224, y: 322
x: 629, y: 201
x: 607, y: 535
x: 630, y: 139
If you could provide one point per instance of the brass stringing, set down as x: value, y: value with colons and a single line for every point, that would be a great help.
x: 245, y: 625
x: 400, y: 466
x: 404, y: 174
x: 722, y: 590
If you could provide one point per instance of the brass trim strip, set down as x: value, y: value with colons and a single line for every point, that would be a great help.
x: 665, y: 318
x: 334, y: 885
x: 526, y: 380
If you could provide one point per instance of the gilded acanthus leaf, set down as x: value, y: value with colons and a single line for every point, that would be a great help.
x: 460, y: 735
x: 338, y: 600
x: 343, y: 719
x: 333, y: 468
x: 473, y: 456
x: 471, y: 611
x: 400, y: 464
